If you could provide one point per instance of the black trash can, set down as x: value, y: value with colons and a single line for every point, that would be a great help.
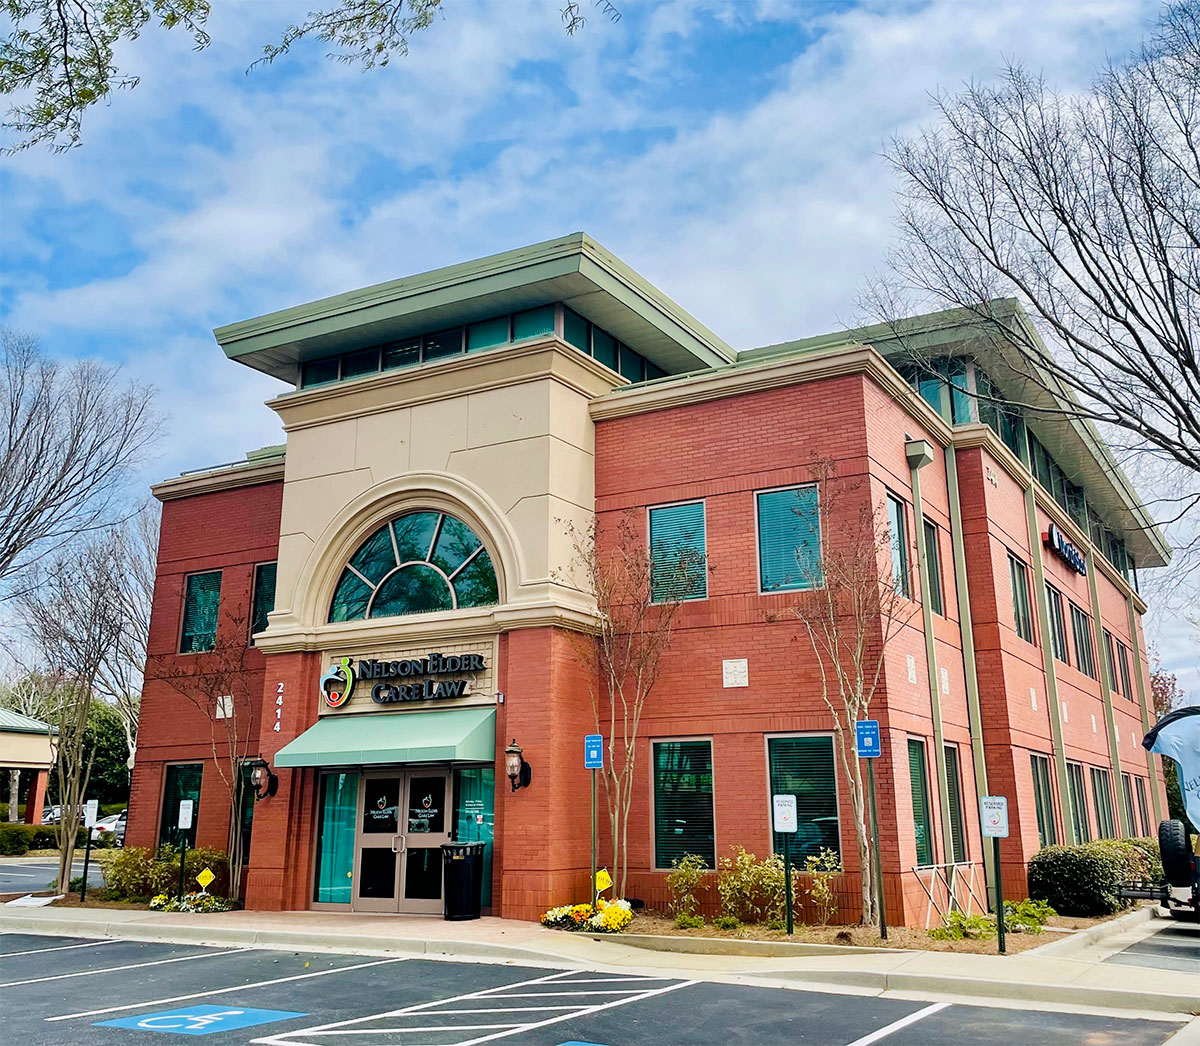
x: 462, y: 880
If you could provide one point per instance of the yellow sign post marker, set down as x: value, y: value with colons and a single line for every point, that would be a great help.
x: 204, y: 878
x: 603, y: 880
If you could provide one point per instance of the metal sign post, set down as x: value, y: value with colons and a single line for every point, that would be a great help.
x: 183, y: 823
x: 866, y: 737
x: 90, y: 809
x: 593, y: 759
x: 993, y: 820
x: 785, y: 824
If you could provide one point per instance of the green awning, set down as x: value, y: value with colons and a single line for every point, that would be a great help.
x: 452, y: 735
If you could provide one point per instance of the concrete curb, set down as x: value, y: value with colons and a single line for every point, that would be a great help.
x: 735, y: 946
x: 1094, y: 935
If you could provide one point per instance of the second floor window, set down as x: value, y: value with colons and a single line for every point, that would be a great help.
x: 202, y: 597
x: 1081, y: 632
x: 677, y: 553
x: 1058, y: 624
x: 898, y: 533
x: 1019, y: 579
x: 264, y: 596
x: 937, y: 601
x: 789, y: 539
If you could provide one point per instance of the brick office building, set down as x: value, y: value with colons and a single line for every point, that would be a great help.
x: 398, y: 577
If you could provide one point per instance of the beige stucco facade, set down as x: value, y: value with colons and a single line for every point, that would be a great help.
x: 503, y: 440
x: 25, y: 751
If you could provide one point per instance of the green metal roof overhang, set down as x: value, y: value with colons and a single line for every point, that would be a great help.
x: 453, y: 735
x: 572, y: 269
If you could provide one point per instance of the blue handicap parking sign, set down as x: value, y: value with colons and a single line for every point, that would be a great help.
x: 593, y: 752
x: 201, y: 1020
x: 866, y: 733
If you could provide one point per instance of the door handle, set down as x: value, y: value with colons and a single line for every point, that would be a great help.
x: 394, y: 838
x: 403, y: 844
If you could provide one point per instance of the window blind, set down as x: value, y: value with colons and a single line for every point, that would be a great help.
x: 1079, y: 810
x: 804, y: 767
x: 1081, y: 630
x: 202, y: 596
x: 789, y: 539
x: 247, y: 811
x: 1058, y: 625
x: 936, y: 599
x: 954, y: 796
x: 677, y: 553
x: 683, y: 802
x: 1043, y: 801
x: 1127, y: 797
x: 182, y: 782
x: 898, y: 535
x: 1102, y: 793
x: 1017, y: 577
x: 920, y: 801
x: 1140, y: 784
x: 264, y: 595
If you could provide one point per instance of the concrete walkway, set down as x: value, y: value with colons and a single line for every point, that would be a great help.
x: 1082, y: 979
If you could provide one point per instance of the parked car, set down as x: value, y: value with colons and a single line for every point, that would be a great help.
x: 114, y: 823
x: 52, y: 815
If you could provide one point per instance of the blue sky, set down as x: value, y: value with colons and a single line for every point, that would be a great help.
x: 726, y: 149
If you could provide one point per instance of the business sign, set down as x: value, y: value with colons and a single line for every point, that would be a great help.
x: 344, y: 674
x: 866, y: 736
x: 185, y: 813
x: 593, y: 752
x: 200, y: 1020
x: 784, y: 810
x: 90, y: 809
x: 993, y: 816
x: 1054, y: 540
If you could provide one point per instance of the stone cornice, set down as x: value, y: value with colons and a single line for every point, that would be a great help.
x: 722, y: 382
x: 224, y: 479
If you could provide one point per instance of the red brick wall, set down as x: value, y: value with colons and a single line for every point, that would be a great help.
x: 230, y: 531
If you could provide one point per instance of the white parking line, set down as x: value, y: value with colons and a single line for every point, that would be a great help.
x: 895, y: 1026
x: 501, y: 993
x: 221, y: 991
x: 19, y: 875
x: 117, y: 969
x: 56, y: 948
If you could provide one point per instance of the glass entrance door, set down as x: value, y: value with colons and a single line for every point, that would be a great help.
x: 403, y: 823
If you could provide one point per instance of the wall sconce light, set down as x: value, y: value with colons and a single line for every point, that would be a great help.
x: 518, y: 770
x: 262, y: 780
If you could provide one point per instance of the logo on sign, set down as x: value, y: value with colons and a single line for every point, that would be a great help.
x: 338, y: 683
x: 1054, y: 540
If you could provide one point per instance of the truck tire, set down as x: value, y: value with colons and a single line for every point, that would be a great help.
x: 1176, y: 855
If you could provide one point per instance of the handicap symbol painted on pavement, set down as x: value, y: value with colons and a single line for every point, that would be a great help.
x: 200, y: 1020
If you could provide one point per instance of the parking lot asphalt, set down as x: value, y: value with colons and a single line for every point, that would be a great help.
x: 29, y: 877
x: 71, y: 990
x: 1174, y: 946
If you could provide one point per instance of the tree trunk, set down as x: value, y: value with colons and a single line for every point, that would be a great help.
x: 14, y: 793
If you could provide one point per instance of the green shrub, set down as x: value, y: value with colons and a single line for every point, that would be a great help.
x: 1083, y: 880
x: 1027, y: 916
x: 824, y: 867
x: 752, y: 890
x: 958, y: 926
x: 777, y: 924
x: 689, y: 922
x: 686, y: 877
x: 16, y: 839
x: 726, y: 922
x: 137, y: 873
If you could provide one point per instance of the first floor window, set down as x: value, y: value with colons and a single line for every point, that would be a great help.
x: 954, y: 796
x: 677, y: 553
x: 683, y: 802
x: 1043, y: 800
x: 1079, y: 810
x: 1081, y: 629
x: 202, y: 596
x: 804, y: 767
x: 898, y: 534
x: 1102, y: 794
x: 264, y: 596
x: 920, y: 801
x: 182, y: 782
x: 1018, y: 578
x: 246, y: 800
x: 1143, y: 809
x: 1127, y: 799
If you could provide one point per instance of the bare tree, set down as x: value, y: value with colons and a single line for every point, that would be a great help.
x: 219, y: 683
x: 638, y: 595
x: 71, y: 612
x: 134, y: 549
x: 71, y: 436
x: 852, y: 610
x: 1085, y: 208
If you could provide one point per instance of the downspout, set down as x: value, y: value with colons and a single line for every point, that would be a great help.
x: 919, y: 453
